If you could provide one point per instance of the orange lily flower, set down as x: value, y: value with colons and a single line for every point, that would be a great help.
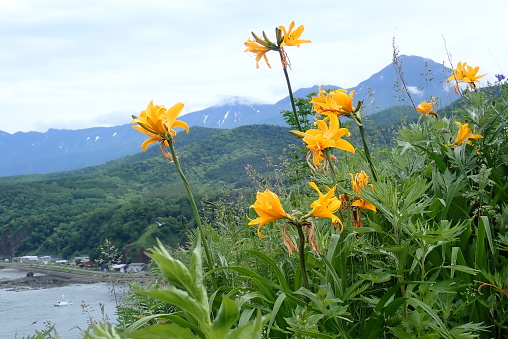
x: 325, y: 136
x: 426, y: 108
x: 364, y: 205
x: 359, y: 181
x: 269, y: 208
x: 465, y: 73
x: 258, y: 49
x: 158, y: 123
x: 465, y: 133
x: 326, y: 205
x: 291, y: 38
x: 337, y: 102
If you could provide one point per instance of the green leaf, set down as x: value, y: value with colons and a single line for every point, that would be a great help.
x: 276, y: 269
x: 317, y: 304
x: 313, y: 334
x: 464, y: 269
x: 400, y: 333
x: 181, y: 299
x: 444, y: 331
x: 355, y: 289
x: 101, y: 331
x: 249, y: 330
x: 197, y: 290
x: 377, y: 276
x: 261, y: 282
x: 143, y: 321
x: 175, y: 271
x: 275, y: 310
x: 246, y: 316
x: 485, y: 224
x: 167, y: 331
x: 226, y: 317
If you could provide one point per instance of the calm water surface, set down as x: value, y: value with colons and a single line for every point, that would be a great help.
x: 23, y: 312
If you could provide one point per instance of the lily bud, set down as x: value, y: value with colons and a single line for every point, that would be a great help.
x: 279, y: 36
x: 259, y: 40
x: 298, y: 133
x: 266, y: 38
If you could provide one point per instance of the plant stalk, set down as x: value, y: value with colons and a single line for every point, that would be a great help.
x: 291, y: 98
x: 301, y: 255
x: 195, y: 211
x: 331, y: 166
x: 365, y: 147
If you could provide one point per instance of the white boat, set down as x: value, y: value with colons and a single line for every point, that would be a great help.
x: 63, y: 302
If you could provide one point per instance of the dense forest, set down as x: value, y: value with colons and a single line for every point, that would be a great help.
x: 136, y: 199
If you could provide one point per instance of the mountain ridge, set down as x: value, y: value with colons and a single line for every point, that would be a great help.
x: 59, y: 150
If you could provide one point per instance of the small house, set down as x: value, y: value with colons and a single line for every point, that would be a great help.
x: 136, y: 267
x: 119, y: 267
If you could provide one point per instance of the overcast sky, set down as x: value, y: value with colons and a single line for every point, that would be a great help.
x: 76, y: 64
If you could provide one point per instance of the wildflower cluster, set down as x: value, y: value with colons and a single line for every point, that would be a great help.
x: 269, y: 209
x: 431, y: 201
x: 260, y: 46
x: 465, y: 74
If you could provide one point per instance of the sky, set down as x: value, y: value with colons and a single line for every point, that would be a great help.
x: 74, y: 64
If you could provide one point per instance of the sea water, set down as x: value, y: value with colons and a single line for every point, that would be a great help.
x: 23, y: 310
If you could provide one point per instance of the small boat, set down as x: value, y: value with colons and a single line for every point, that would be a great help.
x: 63, y: 302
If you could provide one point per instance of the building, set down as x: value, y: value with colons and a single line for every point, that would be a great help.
x: 136, y: 267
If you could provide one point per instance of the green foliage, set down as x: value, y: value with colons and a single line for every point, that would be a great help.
x: 304, y: 113
x: 101, y: 331
x: 431, y: 263
x: 186, y: 291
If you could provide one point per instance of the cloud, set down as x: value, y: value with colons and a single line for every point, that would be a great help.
x: 65, y: 62
x: 415, y: 90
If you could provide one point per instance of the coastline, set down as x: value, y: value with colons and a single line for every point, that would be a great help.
x: 48, y: 276
x: 31, y: 283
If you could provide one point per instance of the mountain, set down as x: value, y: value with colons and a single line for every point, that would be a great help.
x: 57, y: 150
x: 74, y: 212
x: 62, y: 150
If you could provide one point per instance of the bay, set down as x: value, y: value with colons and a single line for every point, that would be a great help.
x: 23, y: 310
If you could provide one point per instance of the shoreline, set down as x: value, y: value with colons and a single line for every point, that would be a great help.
x: 32, y: 283
x: 48, y: 276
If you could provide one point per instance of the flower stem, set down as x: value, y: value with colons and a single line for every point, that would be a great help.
x: 291, y: 98
x: 365, y: 147
x: 301, y: 255
x: 331, y: 165
x: 195, y: 211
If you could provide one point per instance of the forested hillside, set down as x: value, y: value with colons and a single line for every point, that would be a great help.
x: 72, y: 213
